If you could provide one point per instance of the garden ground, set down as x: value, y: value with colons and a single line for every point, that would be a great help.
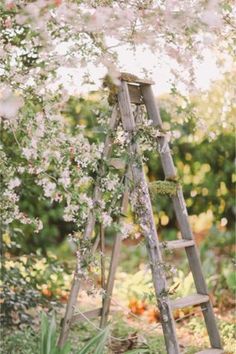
x: 134, y: 321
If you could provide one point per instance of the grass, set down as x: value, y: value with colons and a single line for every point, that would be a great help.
x: 26, y: 340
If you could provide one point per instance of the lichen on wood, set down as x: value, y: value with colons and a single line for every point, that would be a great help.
x: 164, y: 187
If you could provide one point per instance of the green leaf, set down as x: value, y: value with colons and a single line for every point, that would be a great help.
x: 44, y: 328
x: 51, y: 335
x: 99, y: 340
x: 231, y: 281
x: 102, y: 343
x: 66, y: 349
x: 48, y: 337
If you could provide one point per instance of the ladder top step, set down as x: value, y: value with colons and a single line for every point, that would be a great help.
x: 211, y: 351
x: 134, y: 79
x: 176, y: 244
x: 190, y: 300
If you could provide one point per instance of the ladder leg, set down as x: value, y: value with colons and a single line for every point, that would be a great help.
x: 144, y: 210
x: 182, y: 218
x: 106, y: 302
x: 113, y: 265
x: 87, y: 234
x: 145, y: 215
x: 102, y: 250
x: 69, y: 311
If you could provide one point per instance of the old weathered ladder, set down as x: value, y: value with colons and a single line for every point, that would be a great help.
x: 139, y: 92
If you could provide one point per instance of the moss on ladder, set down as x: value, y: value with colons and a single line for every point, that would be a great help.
x: 164, y: 187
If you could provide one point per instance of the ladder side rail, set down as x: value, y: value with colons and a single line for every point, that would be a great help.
x: 87, y: 234
x: 154, y: 116
x: 106, y: 301
x: 146, y: 218
x: 182, y: 218
x: 70, y: 307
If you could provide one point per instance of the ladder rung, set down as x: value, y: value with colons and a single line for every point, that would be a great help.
x: 190, y: 300
x: 88, y: 314
x: 177, y: 244
x: 211, y: 351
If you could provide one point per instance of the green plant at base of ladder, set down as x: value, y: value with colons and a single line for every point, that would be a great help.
x: 48, y: 337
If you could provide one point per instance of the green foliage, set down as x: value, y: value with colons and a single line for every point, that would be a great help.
x: 139, y: 351
x: 183, y: 284
x: 139, y: 256
x: 220, y: 276
x: 153, y: 341
x: 227, y: 332
x: 91, y: 113
x: 24, y: 341
x: 222, y: 240
x: 17, y: 297
x: 48, y: 337
x: 139, y: 285
x: 220, y: 270
x: 228, y: 335
x: 95, y: 345
x: 230, y: 276
x: 51, y: 215
x: 27, y: 282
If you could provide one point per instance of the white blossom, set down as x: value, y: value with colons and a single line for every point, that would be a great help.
x: 29, y: 152
x: 38, y: 225
x: 106, y: 219
x: 65, y: 178
x: 126, y: 230
x: 49, y: 187
x: 70, y: 212
x: 85, y: 199
x: 14, y: 182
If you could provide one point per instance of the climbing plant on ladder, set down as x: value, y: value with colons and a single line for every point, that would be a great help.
x: 133, y: 90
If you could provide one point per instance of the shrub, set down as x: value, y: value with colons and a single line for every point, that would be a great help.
x: 30, y: 281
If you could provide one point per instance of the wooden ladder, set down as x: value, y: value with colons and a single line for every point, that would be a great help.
x: 133, y: 90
